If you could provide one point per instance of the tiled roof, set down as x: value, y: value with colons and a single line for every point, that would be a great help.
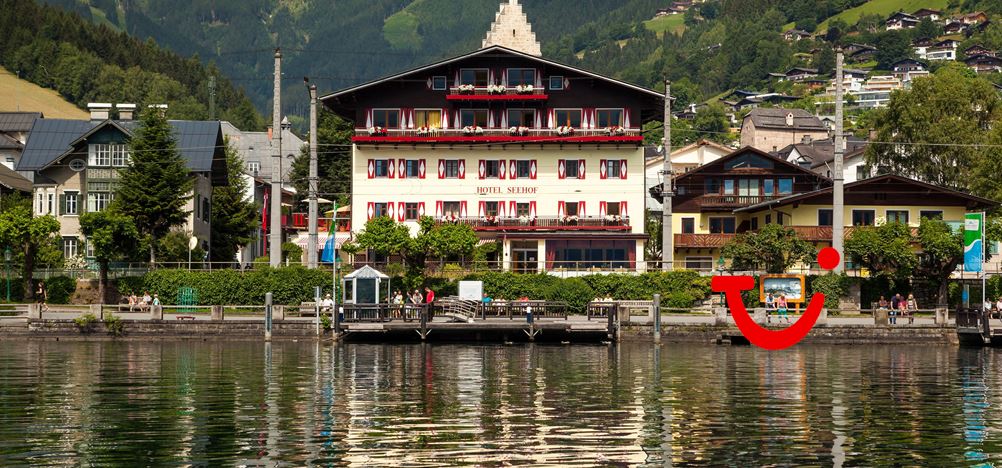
x: 51, y: 138
x: 13, y: 180
x: 776, y: 118
x: 17, y: 121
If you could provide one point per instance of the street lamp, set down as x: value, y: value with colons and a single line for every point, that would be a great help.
x: 6, y: 268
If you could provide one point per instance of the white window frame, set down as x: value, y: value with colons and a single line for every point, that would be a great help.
x: 254, y: 167
x: 119, y: 155
x: 558, y: 123
x: 74, y: 198
x: 99, y: 155
x: 71, y: 247
x: 96, y: 198
x: 622, y: 116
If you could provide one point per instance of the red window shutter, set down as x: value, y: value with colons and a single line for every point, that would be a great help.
x: 370, y: 210
x: 560, y: 208
x: 441, y: 169
x: 532, y: 209
x: 401, y: 212
x: 561, y: 171
x: 514, y: 170
x: 501, y: 209
x: 481, y: 210
x: 390, y: 168
x: 602, y: 169
x: 622, y: 168
x: 482, y: 170
x: 622, y: 209
x: 402, y: 168
x: 420, y: 209
x: 438, y: 209
x: 462, y: 168
x: 581, y: 168
x: 601, y: 208
x: 462, y: 209
x: 513, y: 209
x: 421, y: 168
x: 372, y: 169
x: 532, y: 169
x: 502, y: 169
x: 581, y: 209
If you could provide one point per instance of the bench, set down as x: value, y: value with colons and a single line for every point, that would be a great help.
x: 185, y: 317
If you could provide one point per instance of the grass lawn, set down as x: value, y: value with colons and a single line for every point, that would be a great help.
x: 673, y: 23
x: 884, y: 8
x: 21, y: 95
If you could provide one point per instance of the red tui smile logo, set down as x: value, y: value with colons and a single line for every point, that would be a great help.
x: 732, y: 286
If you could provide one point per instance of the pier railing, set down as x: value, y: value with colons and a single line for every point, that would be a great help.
x: 520, y: 309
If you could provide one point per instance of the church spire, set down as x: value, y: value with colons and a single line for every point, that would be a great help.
x: 511, y: 29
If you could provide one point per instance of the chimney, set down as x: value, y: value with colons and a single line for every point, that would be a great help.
x: 806, y: 140
x: 126, y: 111
x: 162, y: 108
x: 99, y: 110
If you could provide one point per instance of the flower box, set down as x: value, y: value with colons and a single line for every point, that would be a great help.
x: 518, y: 131
x: 524, y: 89
x: 565, y: 131
x: 466, y: 89
x: 377, y: 131
x: 423, y: 131
x: 496, y: 89
x: 615, y: 130
x: 473, y: 130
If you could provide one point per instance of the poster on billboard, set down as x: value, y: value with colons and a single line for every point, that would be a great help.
x: 792, y: 286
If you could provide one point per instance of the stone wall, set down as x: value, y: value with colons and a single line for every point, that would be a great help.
x: 147, y: 329
x: 843, y: 334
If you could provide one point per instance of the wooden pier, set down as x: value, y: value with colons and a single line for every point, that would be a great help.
x: 453, y: 320
x: 975, y: 328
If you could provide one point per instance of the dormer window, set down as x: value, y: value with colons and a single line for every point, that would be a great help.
x: 789, y: 119
x: 473, y: 76
x: 102, y: 155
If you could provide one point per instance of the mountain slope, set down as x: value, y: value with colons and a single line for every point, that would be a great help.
x: 17, y: 95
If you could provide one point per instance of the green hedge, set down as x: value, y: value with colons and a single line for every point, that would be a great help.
x: 290, y: 286
x: 59, y: 289
x: 678, y: 289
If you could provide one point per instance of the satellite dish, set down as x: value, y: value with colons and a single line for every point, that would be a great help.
x: 192, y: 243
x: 661, y: 149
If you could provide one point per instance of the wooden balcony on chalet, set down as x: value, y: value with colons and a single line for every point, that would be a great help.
x: 490, y: 135
x: 544, y: 223
x: 483, y: 93
x: 712, y: 202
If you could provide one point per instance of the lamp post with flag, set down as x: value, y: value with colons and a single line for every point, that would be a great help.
x: 974, y: 248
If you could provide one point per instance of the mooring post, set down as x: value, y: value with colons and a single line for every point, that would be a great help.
x: 612, y: 311
x: 217, y: 312
x: 424, y: 322
x: 267, y: 317
x: 35, y: 311
x: 657, y: 318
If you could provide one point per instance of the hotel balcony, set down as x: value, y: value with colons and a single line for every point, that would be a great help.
x: 490, y: 135
x: 481, y: 93
x: 544, y: 223
x: 715, y: 202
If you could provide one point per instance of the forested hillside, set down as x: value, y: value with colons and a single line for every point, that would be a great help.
x: 719, y: 45
x: 85, y: 63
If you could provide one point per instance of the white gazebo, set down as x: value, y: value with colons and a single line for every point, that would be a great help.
x: 362, y: 286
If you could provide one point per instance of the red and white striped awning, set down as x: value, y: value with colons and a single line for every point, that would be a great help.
x: 339, y: 238
x: 486, y: 241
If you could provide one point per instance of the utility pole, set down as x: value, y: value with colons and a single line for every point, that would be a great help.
x: 667, y: 236
x: 275, y: 236
x: 312, y: 243
x: 838, y: 196
x: 212, y: 97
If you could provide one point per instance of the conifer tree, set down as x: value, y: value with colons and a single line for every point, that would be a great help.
x: 156, y: 184
x: 234, y: 219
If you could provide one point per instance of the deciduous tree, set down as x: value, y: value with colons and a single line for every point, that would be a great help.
x: 113, y: 236
x: 773, y: 248
x: 884, y: 250
x: 19, y: 229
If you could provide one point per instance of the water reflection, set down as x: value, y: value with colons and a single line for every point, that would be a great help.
x: 634, y: 404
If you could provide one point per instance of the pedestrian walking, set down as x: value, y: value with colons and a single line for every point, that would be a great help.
x: 782, y: 308
x: 912, y: 308
x: 40, y: 298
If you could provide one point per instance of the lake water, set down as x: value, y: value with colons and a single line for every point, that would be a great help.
x: 293, y: 404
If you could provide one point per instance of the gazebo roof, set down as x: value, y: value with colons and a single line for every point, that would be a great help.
x: 366, y: 272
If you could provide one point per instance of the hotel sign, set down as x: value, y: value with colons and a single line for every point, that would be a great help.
x: 507, y: 190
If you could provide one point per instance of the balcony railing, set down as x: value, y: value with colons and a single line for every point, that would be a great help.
x: 458, y: 135
x: 546, y: 223
x: 482, y: 93
x: 735, y: 201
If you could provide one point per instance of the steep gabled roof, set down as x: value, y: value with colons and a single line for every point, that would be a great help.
x: 745, y: 150
x: 51, y: 139
x: 484, y: 51
x: 924, y: 191
x: 776, y: 118
x: 17, y: 121
x: 702, y: 142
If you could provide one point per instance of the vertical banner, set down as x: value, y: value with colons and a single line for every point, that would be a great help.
x: 973, y: 242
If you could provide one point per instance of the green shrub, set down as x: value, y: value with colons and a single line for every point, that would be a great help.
x: 59, y: 289
x: 292, y: 253
x: 114, y: 324
x: 130, y: 285
x: 679, y: 289
x: 86, y: 322
x: 326, y: 322
x: 833, y: 286
x: 289, y: 286
x: 574, y: 291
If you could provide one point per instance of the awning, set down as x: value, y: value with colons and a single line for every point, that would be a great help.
x: 339, y: 238
x: 486, y: 241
